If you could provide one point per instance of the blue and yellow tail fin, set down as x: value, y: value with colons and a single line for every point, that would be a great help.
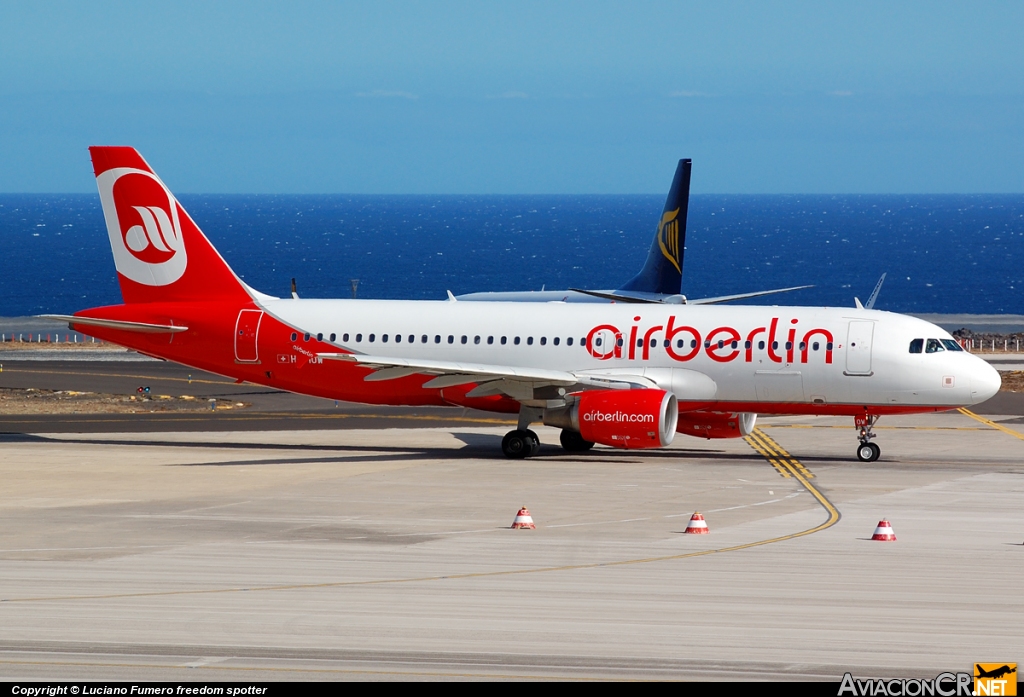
x: 663, y: 271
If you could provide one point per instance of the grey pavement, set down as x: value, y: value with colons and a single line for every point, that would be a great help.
x: 386, y: 554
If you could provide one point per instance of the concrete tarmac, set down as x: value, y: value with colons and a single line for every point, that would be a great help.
x: 386, y: 553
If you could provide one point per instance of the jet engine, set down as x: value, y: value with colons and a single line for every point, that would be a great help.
x: 628, y: 419
x: 713, y: 425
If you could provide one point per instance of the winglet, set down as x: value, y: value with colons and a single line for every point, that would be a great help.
x: 874, y: 294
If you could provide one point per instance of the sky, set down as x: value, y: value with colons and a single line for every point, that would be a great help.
x: 526, y: 97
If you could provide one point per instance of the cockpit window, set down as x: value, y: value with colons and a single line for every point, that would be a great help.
x: 917, y: 346
x: 933, y: 346
x: 951, y: 345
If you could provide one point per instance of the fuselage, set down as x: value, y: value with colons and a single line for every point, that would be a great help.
x: 815, y: 360
x: 561, y: 363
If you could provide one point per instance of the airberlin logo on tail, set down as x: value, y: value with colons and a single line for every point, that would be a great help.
x: 143, y: 225
x: 151, y: 238
x: 668, y: 238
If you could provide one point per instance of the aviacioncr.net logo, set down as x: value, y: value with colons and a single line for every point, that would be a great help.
x: 143, y: 225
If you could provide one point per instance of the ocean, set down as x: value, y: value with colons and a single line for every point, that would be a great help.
x: 942, y: 254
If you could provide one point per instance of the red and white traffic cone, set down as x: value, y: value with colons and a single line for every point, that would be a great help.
x: 697, y: 526
x: 523, y: 520
x: 884, y: 533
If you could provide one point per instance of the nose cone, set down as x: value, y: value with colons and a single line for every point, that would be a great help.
x: 985, y: 382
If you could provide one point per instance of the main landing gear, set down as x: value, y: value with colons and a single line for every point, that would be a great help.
x: 573, y: 442
x: 523, y: 443
x: 867, y: 451
x: 520, y: 443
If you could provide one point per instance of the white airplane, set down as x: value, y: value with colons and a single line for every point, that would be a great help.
x: 660, y: 280
x: 625, y: 376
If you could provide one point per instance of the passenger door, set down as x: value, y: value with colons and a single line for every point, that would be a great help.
x: 858, y: 347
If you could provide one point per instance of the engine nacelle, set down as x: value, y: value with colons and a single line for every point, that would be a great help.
x: 712, y: 425
x: 620, y: 418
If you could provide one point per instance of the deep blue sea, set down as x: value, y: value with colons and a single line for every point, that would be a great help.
x: 950, y: 254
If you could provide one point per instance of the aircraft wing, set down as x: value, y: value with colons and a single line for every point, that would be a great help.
x: 516, y: 382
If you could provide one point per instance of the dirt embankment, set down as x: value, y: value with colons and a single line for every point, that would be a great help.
x: 1013, y: 381
x: 32, y: 401
x: 988, y: 342
x: 10, y: 345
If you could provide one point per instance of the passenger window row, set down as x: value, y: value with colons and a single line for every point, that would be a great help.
x: 437, y: 339
x: 556, y: 341
x: 934, y: 345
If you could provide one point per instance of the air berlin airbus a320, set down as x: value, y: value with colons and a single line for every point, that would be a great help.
x: 623, y: 375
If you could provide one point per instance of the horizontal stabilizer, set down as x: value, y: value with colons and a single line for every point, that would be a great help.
x: 652, y: 298
x: 743, y: 296
x: 143, y: 327
x: 615, y: 297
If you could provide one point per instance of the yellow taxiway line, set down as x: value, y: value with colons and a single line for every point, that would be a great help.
x: 784, y: 463
x: 988, y: 422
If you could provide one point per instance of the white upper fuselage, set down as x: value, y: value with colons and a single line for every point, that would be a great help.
x: 816, y: 355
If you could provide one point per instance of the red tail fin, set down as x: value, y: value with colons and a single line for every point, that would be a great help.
x: 160, y: 253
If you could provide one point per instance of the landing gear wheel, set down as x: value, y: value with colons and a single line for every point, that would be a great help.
x: 573, y: 442
x: 518, y: 445
x: 534, y: 442
x: 868, y: 452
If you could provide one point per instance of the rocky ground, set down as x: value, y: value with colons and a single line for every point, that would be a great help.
x: 59, y: 345
x: 32, y: 401
x: 1013, y: 381
x: 988, y: 342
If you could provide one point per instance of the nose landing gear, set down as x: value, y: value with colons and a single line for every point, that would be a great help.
x: 867, y: 451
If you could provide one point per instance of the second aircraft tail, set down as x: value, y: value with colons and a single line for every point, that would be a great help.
x: 663, y: 271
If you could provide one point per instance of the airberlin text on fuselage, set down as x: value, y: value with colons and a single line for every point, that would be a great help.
x: 683, y: 342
